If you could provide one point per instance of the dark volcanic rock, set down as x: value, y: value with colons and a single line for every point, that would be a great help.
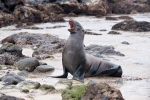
x: 92, y: 33
x: 23, y: 73
x: 75, y: 8
x: 11, y: 4
x: 111, y: 18
x: 125, y: 42
x: 2, y: 60
x: 126, y: 7
x: 125, y: 17
x: 98, y: 50
x: 102, y: 91
x: 44, y: 68
x: 44, y: 43
x: 28, y: 85
x: 114, y: 33
x: 11, y: 48
x: 99, y: 8
x: 132, y: 25
x: 6, y: 97
x: 29, y: 15
x: 28, y: 64
x: 116, y: 18
x: 10, y: 53
x: 59, y: 26
x: 11, y: 78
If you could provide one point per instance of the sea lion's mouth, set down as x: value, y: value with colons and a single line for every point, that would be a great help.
x: 72, y: 26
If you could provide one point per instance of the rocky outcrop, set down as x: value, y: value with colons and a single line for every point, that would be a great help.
x: 74, y: 92
x: 6, y: 97
x: 98, y: 50
x: 132, y: 25
x: 75, y: 8
x: 10, y: 53
x: 92, y: 91
x: 11, y: 4
x: 11, y: 79
x: 28, y: 64
x: 29, y: 14
x: 41, y: 43
x: 102, y: 91
x: 126, y: 7
x: 97, y: 8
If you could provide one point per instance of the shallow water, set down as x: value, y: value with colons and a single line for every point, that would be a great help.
x: 135, y: 63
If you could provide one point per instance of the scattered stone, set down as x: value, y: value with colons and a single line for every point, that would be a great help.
x: 91, y: 82
x: 102, y: 91
x: 74, y: 92
x: 128, y: 78
x: 117, y: 18
x: 92, y: 33
x: 59, y: 26
x: 28, y: 64
x: 103, y: 30
x: 25, y: 90
x: 132, y: 25
x: 32, y: 27
x: 44, y: 68
x: 28, y: 85
x: 6, y: 97
x: 47, y: 87
x: 125, y: 42
x: 11, y: 79
x: 125, y: 17
x: 111, y: 18
x: 23, y: 73
x: 114, y: 33
x: 98, y: 50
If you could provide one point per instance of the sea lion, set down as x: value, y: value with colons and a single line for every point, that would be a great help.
x: 80, y: 64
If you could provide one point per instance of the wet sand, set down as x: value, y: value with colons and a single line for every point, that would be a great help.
x: 135, y: 63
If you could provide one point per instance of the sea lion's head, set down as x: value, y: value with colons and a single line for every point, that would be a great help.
x: 75, y: 27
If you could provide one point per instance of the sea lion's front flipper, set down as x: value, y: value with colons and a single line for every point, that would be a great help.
x: 79, y: 74
x: 64, y: 75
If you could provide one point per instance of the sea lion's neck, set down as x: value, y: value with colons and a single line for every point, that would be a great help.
x: 77, y: 37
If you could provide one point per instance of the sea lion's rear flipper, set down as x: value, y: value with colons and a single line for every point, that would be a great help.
x: 64, y: 75
x: 79, y: 74
x: 118, y: 73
